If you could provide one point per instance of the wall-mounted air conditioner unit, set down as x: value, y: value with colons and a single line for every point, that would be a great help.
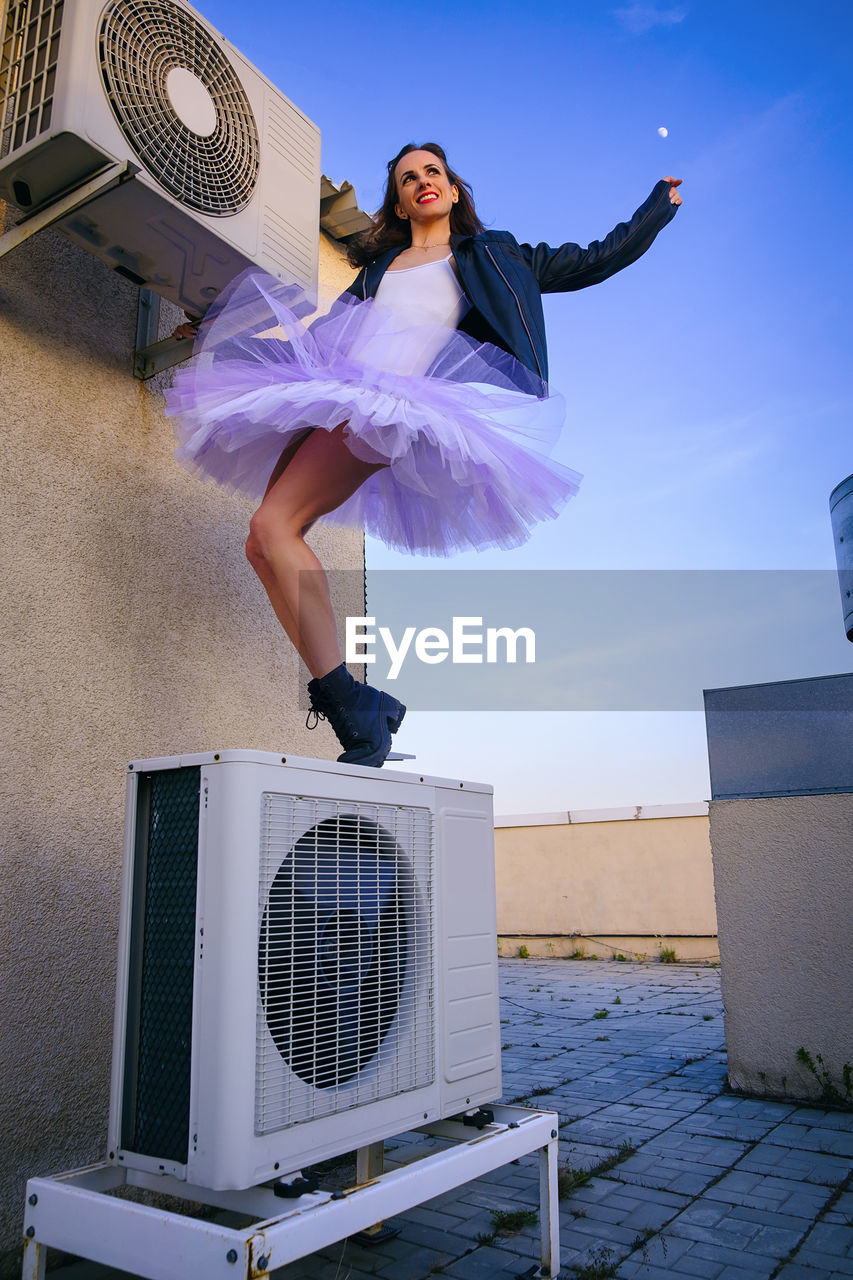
x: 308, y: 963
x: 226, y: 169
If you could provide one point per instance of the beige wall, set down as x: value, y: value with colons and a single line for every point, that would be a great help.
x: 131, y: 626
x: 783, y: 879
x: 636, y: 879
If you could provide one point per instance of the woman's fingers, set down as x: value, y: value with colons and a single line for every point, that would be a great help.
x: 187, y: 330
x: 674, y: 197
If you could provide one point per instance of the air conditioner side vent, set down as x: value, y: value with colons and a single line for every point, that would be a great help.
x: 162, y: 954
x: 285, y: 245
x: 29, y: 54
x: 289, y: 133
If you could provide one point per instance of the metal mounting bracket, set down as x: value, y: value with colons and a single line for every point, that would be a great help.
x: 32, y: 223
x: 151, y: 356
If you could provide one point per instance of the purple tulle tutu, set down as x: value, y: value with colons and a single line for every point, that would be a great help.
x: 463, y: 427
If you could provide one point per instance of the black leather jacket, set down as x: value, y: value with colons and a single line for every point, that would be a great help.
x: 505, y: 280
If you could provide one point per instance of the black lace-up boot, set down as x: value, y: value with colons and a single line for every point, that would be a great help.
x: 362, y: 717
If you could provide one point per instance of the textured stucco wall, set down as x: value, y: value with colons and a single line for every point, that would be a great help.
x: 783, y: 883
x: 646, y: 877
x: 131, y: 626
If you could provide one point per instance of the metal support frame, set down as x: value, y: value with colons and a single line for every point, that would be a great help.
x: 151, y: 356
x: 32, y: 223
x: 147, y: 327
x: 72, y: 1211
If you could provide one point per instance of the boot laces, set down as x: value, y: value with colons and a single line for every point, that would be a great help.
x: 340, y: 720
x: 339, y: 715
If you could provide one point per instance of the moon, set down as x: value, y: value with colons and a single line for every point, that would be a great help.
x: 663, y: 132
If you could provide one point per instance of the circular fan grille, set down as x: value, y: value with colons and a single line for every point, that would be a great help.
x: 141, y: 42
x: 333, y: 948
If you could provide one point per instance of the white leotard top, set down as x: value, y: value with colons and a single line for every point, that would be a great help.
x: 427, y: 294
x: 415, y: 308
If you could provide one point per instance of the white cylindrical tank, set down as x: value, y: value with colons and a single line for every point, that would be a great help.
x: 841, y: 510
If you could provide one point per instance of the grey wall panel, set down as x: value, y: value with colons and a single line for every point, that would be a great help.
x: 793, y: 737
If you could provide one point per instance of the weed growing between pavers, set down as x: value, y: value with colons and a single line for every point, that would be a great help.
x: 508, y: 1222
x: 525, y: 1099
x: 569, y: 1179
x: 643, y: 1239
x: 602, y: 1266
x: 830, y: 1093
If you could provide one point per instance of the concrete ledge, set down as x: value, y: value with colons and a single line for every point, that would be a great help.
x: 638, y: 948
x: 568, y: 817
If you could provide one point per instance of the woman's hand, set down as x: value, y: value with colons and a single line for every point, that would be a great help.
x: 189, y: 329
x: 674, y: 197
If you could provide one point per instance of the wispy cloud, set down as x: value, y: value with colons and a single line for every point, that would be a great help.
x: 752, y: 143
x: 707, y: 454
x: 640, y: 18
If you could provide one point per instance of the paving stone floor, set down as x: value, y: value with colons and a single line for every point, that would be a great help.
x: 711, y: 1185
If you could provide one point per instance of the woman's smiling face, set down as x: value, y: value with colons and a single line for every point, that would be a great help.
x: 424, y: 191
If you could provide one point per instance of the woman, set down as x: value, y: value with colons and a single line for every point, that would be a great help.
x: 418, y: 408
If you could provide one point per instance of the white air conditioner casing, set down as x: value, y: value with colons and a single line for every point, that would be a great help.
x: 308, y: 963
x: 227, y: 169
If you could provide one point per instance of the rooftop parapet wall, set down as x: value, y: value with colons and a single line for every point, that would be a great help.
x: 605, y: 873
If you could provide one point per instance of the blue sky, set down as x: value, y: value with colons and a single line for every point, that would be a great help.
x: 708, y: 387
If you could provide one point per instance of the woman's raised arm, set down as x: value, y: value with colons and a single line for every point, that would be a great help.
x: 569, y: 266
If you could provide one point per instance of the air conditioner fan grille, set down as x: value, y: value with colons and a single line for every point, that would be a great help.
x: 141, y: 42
x: 344, y: 957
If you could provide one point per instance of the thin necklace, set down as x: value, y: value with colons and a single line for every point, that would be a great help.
x: 439, y: 244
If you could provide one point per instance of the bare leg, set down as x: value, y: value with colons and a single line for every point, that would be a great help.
x: 253, y: 551
x: 316, y: 478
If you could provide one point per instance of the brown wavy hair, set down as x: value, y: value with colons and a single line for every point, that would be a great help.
x: 391, y: 232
